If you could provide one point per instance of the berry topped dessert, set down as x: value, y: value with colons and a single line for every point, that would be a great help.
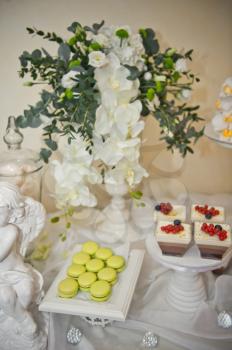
x: 173, y: 238
x: 167, y: 211
x: 206, y: 212
x: 213, y: 240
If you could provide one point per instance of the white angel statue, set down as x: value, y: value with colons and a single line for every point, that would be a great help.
x: 21, y: 220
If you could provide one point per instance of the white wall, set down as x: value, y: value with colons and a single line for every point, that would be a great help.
x: 204, y: 25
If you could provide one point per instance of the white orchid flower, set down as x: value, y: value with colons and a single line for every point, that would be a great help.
x: 126, y: 119
x: 65, y: 173
x: 76, y: 152
x: 131, y: 172
x: 74, y: 196
x: 113, y: 149
x: 113, y: 76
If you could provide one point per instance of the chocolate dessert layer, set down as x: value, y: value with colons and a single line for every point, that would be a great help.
x: 173, y: 248
x: 211, y: 252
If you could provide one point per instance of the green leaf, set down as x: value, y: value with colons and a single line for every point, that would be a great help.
x: 159, y: 86
x: 36, y: 54
x: 35, y: 121
x: 64, y: 52
x: 30, y: 30
x: 151, y: 45
x: 134, y: 72
x: 159, y: 59
x: 45, y: 154
x: 168, y: 63
x: 136, y: 194
x: 74, y: 26
x: 22, y: 122
x: 95, y: 46
x: 176, y: 76
x: 69, y: 94
x: 72, y: 41
x: 97, y: 26
x: 150, y: 94
x: 143, y: 33
x: 68, y: 225
x: 51, y: 144
x: 188, y: 54
x: 145, y: 110
x: 55, y: 219
x: 170, y: 52
x: 122, y: 33
x: 70, y: 211
x: 74, y: 63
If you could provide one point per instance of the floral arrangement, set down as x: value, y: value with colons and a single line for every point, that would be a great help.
x: 102, y: 83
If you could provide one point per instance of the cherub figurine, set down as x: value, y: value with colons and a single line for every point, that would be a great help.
x: 21, y: 220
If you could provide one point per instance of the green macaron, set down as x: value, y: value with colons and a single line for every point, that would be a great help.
x: 103, y: 253
x: 90, y: 247
x: 86, y: 280
x: 80, y: 258
x: 75, y: 270
x: 100, y: 291
x: 116, y: 262
x: 94, y: 265
x: 107, y: 274
x: 67, y: 288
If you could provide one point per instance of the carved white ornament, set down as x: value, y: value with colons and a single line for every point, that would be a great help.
x: 21, y: 220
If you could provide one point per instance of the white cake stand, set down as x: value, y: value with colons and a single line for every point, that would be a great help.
x: 213, y: 136
x: 186, y: 289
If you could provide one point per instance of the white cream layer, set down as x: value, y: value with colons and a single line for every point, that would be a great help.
x: 196, y: 216
x: 178, y: 213
x: 201, y: 237
x: 182, y: 237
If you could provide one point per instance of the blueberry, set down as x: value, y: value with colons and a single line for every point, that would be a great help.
x: 157, y: 207
x: 218, y: 227
x: 208, y: 216
x: 177, y: 222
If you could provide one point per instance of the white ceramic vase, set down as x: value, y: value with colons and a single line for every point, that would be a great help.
x: 114, y: 222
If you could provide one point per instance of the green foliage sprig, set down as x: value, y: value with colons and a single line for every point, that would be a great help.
x: 71, y: 111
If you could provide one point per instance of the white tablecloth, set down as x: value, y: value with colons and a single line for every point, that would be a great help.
x: 149, y: 310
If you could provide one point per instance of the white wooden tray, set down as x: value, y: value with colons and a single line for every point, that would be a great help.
x: 115, y: 308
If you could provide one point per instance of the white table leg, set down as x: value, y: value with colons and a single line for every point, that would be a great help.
x: 186, y: 291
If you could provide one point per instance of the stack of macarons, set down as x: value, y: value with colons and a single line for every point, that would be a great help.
x: 94, y: 269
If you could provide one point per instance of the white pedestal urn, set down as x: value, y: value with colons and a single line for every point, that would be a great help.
x: 114, y: 222
x: 186, y: 291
